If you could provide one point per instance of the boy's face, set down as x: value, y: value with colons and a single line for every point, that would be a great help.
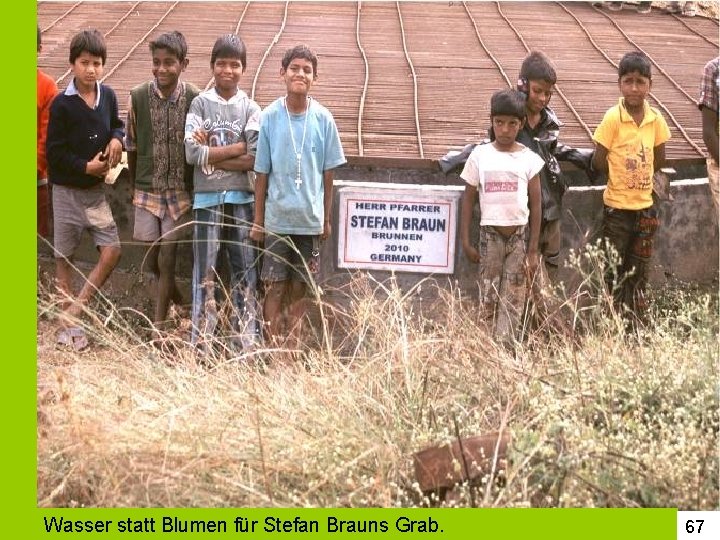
x: 166, y: 68
x: 87, y: 69
x: 299, y: 76
x: 539, y: 94
x: 227, y: 73
x: 634, y: 87
x: 506, y: 129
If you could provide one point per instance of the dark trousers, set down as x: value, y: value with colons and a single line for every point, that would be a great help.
x: 631, y: 233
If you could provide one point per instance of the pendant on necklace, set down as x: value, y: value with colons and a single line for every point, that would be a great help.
x: 298, y: 171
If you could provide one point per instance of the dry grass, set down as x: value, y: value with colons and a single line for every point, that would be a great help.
x: 602, y: 419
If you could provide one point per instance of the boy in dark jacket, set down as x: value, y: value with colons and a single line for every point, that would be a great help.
x: 540, y: 133
x: 84, y: 141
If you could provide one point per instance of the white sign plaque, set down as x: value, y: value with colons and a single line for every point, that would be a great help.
x: 400, y: 230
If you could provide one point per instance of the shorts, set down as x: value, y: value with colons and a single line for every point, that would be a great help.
x: 150, y: 228
x: 76, y: 210
x: 291, y: 257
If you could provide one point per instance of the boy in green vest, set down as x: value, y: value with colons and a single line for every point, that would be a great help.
x: 159, y: 175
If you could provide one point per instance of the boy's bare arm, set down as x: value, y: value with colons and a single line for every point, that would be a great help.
x: 216, y: 154
x: 245, y: 162
x: 710, y: 132
x: 257, y: 232
x: 534, y: 200
x: 599, y: 160
x: 468, y: 202
x: 658, y: 157
x: 328, y: 177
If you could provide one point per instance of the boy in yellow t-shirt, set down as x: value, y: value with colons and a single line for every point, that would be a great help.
x: 630, y: 146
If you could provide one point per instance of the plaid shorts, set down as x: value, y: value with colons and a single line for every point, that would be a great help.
x: 150, y: 228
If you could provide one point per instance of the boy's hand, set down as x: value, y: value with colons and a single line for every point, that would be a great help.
x: 532, y: 261
x: 327, y: 229
x: 200, y: 136
x: 113, y: 152
x: 257, y: 233
x: 472, y: 254
x: 97, y: 166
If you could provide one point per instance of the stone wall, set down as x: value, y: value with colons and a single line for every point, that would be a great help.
x: 686, y: 246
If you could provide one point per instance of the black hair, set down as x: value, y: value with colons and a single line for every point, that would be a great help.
x: 229, y: 46
x: 508, y: 103
x: 635, y: 61
x: 537, y: 67
x: 173, y: 42
x: 90, y: 41
x: 301, y: 51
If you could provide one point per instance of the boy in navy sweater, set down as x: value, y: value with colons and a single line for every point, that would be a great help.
x: 84, y: 141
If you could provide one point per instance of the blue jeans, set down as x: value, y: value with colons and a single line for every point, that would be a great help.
x: 227, y: 226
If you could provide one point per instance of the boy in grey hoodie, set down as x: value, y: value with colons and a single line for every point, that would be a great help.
x: 220, y: 139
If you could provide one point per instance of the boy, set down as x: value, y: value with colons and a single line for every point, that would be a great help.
x: 84, y: 141
x: 630, y: 146
x: 505, y: 176
x: 161, y: 178
x: 540, y: 133
x: 708, y: 105
x: 46, y: 92
x: 298, y: 148
x: 220, y: 141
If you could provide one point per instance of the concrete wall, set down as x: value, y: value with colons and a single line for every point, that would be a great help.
x: 686, y: 245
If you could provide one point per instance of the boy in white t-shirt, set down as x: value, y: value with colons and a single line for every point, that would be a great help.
x: 503, y: 176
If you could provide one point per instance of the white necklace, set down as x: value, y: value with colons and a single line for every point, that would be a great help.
x: 298, y: 154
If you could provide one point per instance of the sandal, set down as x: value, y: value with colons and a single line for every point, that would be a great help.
x: 73, y: 337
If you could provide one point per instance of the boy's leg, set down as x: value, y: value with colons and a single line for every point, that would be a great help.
x: 171, y: 231
x: 545, y: 304
x: 63, y: 278
x: 617, y: 230
x: 101, y: 226
x: 491, y: 247
x: 297, y: 309
x: 550, y: 242
x: 276, y: 276
x: 206, y: 244
x: 68, y: 225
x: 638, y: 258
x: 272, y: 309
x: 242, y: 256
x: 513, y: 287
x: 109, y: 257
x: 166, y: 286
x: 305, y: 263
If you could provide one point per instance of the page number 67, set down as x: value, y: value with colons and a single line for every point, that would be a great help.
x: 692, y: 526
